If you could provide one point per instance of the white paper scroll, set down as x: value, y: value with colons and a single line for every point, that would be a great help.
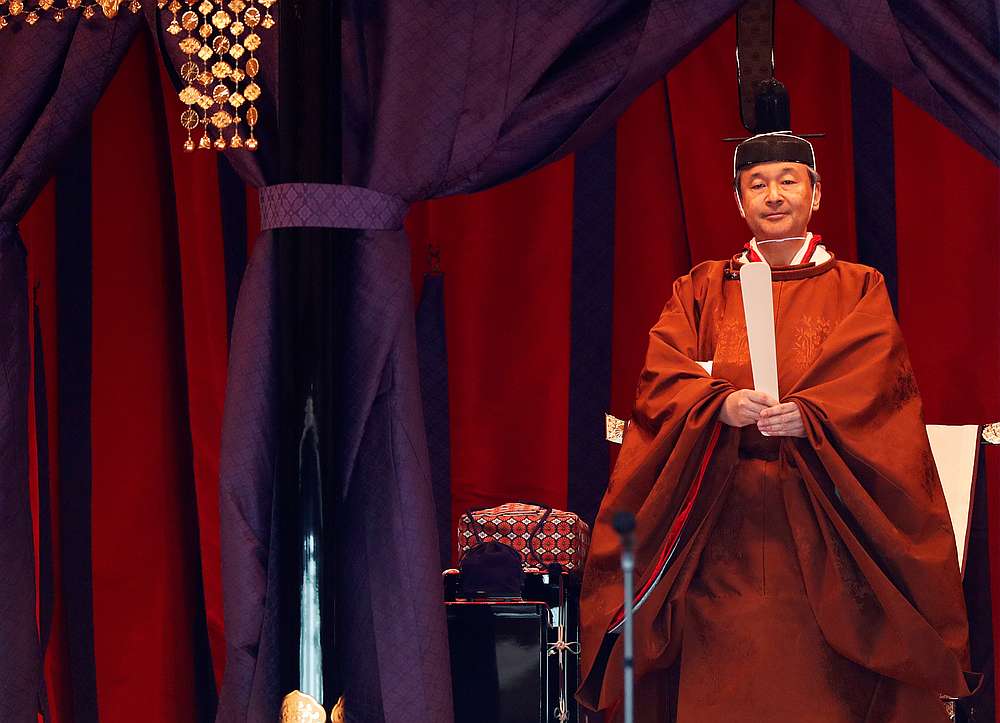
x: 758, y: 307
x: 955, y: 449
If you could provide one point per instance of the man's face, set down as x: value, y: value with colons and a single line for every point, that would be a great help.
x: 777, y: 199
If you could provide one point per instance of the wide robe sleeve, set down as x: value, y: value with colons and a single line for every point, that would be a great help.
x: 870, y: 523
x: 673, y: 466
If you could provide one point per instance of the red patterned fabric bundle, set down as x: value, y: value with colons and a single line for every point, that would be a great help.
x: 540, y: 534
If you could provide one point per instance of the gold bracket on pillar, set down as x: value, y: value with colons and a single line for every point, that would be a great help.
x: 298, y: 707
x: 614, y: 428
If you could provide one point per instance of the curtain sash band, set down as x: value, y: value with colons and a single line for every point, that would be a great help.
x: 328, y: 205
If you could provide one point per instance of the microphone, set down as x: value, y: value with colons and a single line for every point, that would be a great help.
x: 624, y: 524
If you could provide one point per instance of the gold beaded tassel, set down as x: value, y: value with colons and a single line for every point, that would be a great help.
x: 235, y: 99
x: 206, y: 75
x: 227, y: 34
x: 225, y: 73
x: 189, y: 45
x: 32, y: 11
x: 252, y: 91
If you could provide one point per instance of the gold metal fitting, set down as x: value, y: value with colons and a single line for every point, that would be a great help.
x: 299, y: 707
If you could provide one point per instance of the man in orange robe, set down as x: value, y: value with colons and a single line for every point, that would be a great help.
x: 795, y: 561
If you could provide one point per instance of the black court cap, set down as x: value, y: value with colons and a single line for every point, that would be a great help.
x: 774, y: 147
x: 773, y: 142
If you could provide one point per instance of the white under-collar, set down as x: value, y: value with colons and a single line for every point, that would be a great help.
x: 820, y: 254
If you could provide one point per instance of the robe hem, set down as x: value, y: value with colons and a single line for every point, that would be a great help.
x: 670, y: 543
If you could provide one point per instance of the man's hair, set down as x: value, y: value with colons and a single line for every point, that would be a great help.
x: 814, y: 178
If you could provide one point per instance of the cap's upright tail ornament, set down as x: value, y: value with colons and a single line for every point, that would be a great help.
x: 764, y: 104
x: 755, y: 65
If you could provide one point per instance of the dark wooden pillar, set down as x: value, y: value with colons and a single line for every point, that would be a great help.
x: 309, y: 130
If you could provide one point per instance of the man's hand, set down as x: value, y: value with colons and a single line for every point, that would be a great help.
x: 744, y: 407
x: 782, y: 420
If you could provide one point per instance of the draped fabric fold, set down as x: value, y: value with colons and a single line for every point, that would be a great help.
x: 944, y: 56
x: 879, y: 560
x: 51, y: 78
x: 432, y: 356
x: 21, y: 678
x: 246, y: 500
x: 666, y: 448
x: 50, y: 81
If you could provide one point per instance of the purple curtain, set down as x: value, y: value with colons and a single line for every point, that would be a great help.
x: 20, y: 670
x: 944, y: 55
x: 51, y: 77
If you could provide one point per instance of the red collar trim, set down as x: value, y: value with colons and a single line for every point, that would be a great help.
x: 752, y: 256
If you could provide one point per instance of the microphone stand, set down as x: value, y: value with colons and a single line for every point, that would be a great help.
x: 624, y: 524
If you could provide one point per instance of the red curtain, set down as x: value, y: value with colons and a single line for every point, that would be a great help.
x: 159, y: 324
x: 202, y: 273
x: 947, y: 199
x: 507, y: 323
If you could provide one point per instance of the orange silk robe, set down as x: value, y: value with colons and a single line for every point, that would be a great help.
x: 809, y: 579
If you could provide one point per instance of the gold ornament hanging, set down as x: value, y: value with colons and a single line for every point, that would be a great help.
x: 31, y: 11
x: 219, y: 42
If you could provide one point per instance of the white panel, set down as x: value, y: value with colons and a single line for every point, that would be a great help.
x: 758, y: 307
x: 955, y: 449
